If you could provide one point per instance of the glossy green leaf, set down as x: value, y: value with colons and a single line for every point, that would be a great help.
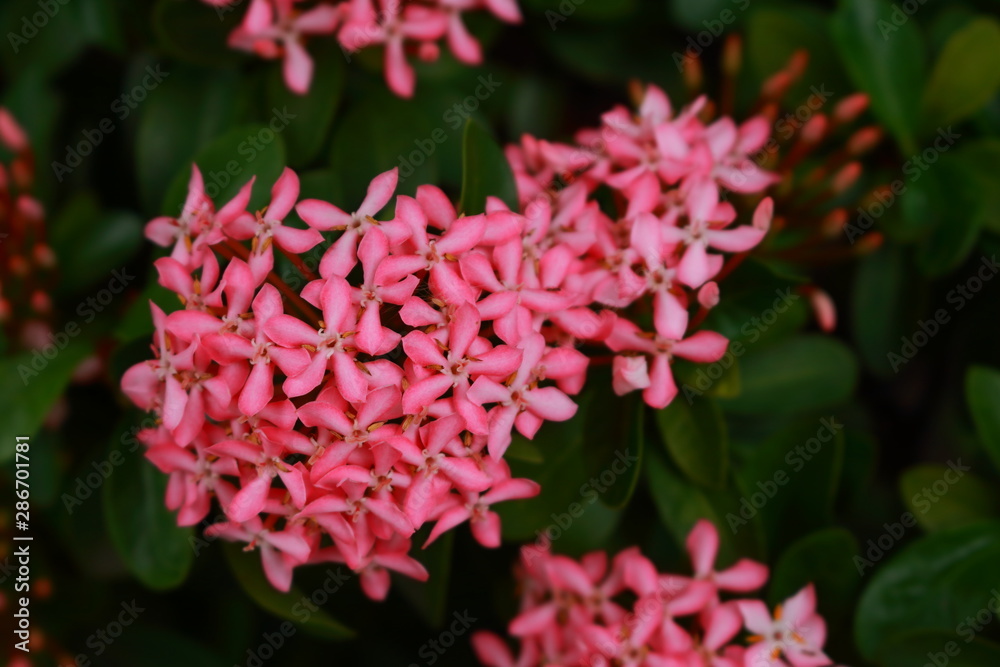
x: 695, y: 435
x: 145, y: 533
x: 568, y: 511
x: 884, y: 57
x: 774, y: 34
x: 955, y: 209
x: 966, y: 75
x: 430, y: 597
x: 485, y: 171
x: 196, y: 32
x: 92, y: 259
x: 311, y: 115
x: 31, y: 383
x: 680, y: 503
x: 380, y: 133
x: 980, y: 157
x: 797, y: 374
x: 613, y: 439
x: 228, y: 163
x: 826, y: 559
x: 982, y: 393
x: 932, y: 584
x: 877, y: 306
x: 924, y: 647
x: 183, y: 115
x: 246, y: 567
x: 943, y: 497
x: 788, y: 478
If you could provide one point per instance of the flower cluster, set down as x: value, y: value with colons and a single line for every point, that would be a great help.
x: 665, y: 175
x: 595, y: 614
x: 297, y: 410
x: 26, y: 259
x: 332, y: 423
x: 278, y: 29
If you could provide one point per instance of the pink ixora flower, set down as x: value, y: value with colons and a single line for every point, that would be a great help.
x: 279, y: 29
x: 572, y: 615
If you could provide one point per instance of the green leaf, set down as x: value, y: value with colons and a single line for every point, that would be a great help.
x: 797, y: 374
x: 910, y: 649
x: 966, y: 75
x: 430, y: 597
x: 933, y: 584
x: 31, y: 383
x: 246, y: 568
x: 937, y: 503
x: 613, y: 439
x: 982, y: 393
x: 156, y: 647
x: 145, y: 533
x: 567, y: 509
x: 876, y: 306
x: 197, y: 33
x: 693, y: 14
x: 824, y: 558
x: 228, y: 163
x: 137, y: 321
x: 189, y: 109
x: 382, y: 132
x: 485, y: 171
x: 681, y: 503
x: 775, y: 34
x: 885, y: 60
x: 695, y: 435
x: 89, y: 257
x: 788, y: 478
x: 980, y: 157
x: 34, y: 38
x: 954, y: 210
x: 312, y: 114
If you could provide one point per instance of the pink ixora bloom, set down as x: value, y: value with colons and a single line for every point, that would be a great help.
x: 276, y: 29
x: 381, y: 395
x: 279, y: 28
x: 571, y: 615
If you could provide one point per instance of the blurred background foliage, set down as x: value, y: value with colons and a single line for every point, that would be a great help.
x: 891, y: 595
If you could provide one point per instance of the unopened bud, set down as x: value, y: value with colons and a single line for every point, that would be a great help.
x: 864, y: 140
x: 850, y: 108
x: 846, y: 177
